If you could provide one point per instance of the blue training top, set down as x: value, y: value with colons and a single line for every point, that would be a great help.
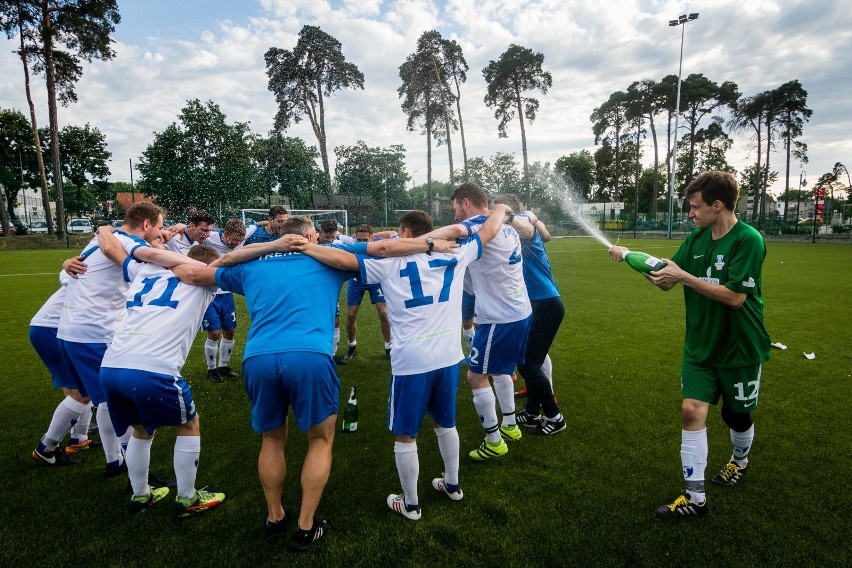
x: 537, y: 273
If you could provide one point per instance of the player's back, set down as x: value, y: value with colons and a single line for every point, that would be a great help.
x: 498, y: 278
x: 50, y: 312
x: 94, y: 301
x: 163, y: 315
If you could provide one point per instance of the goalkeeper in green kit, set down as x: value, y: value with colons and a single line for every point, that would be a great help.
x: 719, y: 265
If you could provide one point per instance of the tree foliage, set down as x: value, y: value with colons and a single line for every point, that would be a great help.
x: 289, y: 165
x: 203, y: 162
x: 578, y: 170
x: 303, y: 78
x: 371, y: 172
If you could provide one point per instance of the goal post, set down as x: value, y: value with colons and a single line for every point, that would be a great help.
x: 252, y: 216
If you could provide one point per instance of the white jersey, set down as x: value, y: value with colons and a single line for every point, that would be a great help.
x: 343, y: 239
x: 163, y: 316
x: 51, y: 310
x: 94, y: 302
x: 423, y: 295
x: 180, y: 243
x: 214, y: 241
x: 498, y: 279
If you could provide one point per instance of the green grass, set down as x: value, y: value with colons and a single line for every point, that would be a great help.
x: 584, y: 497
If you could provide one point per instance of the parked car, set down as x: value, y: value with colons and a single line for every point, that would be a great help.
x: 117, y: 223
x: 38, y: 227
x: 80, y: 226
x: 18, y: 227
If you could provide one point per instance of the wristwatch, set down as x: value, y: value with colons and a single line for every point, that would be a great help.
x: 509, y: 218
x: 431, y: 242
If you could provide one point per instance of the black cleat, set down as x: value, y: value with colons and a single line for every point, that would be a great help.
x: 54, y: 458
x: 115, y: 470
x: 549, y: 427
x: 729, y: 476
x: 276, y: 529
x: 339, y: 360
x: 214, y: 377
x: 350, y: 354
x: 227, y: 373
x: 682, y: 507
x: 528, y: 420
x: 387, y: 352
x: 302, y: 539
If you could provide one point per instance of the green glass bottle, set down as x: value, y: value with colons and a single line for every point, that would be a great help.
x: 642, y: 262
x: 350, y: 414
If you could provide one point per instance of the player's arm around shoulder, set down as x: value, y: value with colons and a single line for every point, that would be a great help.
x: 332, y: 256
x: 110, y: 246
x: 450, y: 232
x: 499, y: 215
x: 196, y: 275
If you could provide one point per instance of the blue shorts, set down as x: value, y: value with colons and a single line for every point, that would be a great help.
x: 146, y: 398
x: 355, y: 292
x: 411, y: 396
x: 304, y: 380
x: 85, y: 359
x: 46, y: 345
x: 468, y: 305
x: 220, y: 314
x: 499, y: 347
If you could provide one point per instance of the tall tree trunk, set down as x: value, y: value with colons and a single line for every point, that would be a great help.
x: 54, y: 119
x: 766, y: 170
x: 524, y: 146
x: 670, y: 157
x: 443, y: 85
x: 638, y: 174
x: 758, y: 169
x: 428, y: 159
x: 787, y: 176
x: 691, y: 161
x: 461, y: 130
x: 320, y: 132
x: 45, y: 196
x: 656, y: 165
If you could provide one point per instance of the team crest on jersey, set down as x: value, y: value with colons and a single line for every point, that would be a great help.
x: 749, y: 283
x: 720, y: 261
x: 709, y: 278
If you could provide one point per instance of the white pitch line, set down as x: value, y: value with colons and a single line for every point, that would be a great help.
x: 33, y: 274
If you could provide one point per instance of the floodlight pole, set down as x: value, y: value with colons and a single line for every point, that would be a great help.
x: 681, y: 21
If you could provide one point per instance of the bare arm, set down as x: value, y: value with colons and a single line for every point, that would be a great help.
x: 196, y: 275
x: 671, y: 274
x: 450, y: 232
x: 74, y: 266
x: 525, y: 228
x: 164, y: 258
x: 111, y: 246
x: 539, y: 226
x: 385, y: 234
x: 492, y: 225
x: 403, y: 247
x: 332, y: 256
x: 287, y: 243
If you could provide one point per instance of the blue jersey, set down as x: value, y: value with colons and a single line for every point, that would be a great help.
x: 291, y: 300
x: 259, y: 236
x: 537, y: 273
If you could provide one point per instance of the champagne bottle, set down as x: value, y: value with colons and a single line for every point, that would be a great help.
x: 642, y: 262
x: 350, y: 415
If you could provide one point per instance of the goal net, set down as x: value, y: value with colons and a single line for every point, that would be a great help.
x: 252, y: 216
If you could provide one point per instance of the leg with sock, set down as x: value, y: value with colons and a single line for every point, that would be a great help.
x: 406, y: 504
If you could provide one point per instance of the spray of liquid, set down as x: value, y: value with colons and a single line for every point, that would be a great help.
x: 572, y: 203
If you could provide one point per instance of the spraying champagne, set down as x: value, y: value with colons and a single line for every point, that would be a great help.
x: 642, y: 262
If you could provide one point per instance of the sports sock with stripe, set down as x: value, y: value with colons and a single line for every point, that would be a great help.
x: 484, y: 402
x: 225, y: 349
x: 187, y: 451
x: 505, y: 392
x: 65, y: 417
x: 138, y: 459
x: 448, y: 445
x: 408, y: 467
x: 693, y: 457
x: 742, y: 441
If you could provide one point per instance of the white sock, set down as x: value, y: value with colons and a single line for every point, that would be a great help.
x: 388, y: 344
x: 353, y: 343
x: 80, y: 430
x: 211, y: 348
x: 65, y: 417
x: 448, y: 444
x: 505, y: 391
x: 336, y: 340
x: 484, y: 402
x: 467, y: 335
x: 112, y: 447
x: 693, y: 457
x: 138, y: 460
x: 187, y: 450
x: 547, y: 367
x: 225, y: 350
x: 742, y: 441
x: 124, y: 439
x: 408, y: 467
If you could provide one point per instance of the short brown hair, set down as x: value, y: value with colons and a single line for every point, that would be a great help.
x: 277, y: 210
x: 328, y: 225
x: 234, y: 227
x: 364, y: 229
x: 200, y: 216
x: 419, y: 222
x: 142, y: 211
x: 716, y: 185
x: 203, y: 253
x: 296, y: 226
x: 472, y: 192
x: 509, y: 199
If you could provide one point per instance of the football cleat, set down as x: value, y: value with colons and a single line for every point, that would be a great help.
x: 549, y: 427
x: 88, y: 444
x: 524, y: 418
x: 202, y: 501
x: 302, y: 539
x: 275, y: 529
x: 350, y: 353
x: 682, y: 507
x: 339, y: 360
x: 140, y: 503
x: 397, y: 503
x: 729, y: 476
x: 214, y: 377
x: 441, y: 485
x: 111, y: 470
x: 227, y: 373
x: 53, y: 458
x: 387, y: 352
x: 511, y: 433
x: 487, y: 450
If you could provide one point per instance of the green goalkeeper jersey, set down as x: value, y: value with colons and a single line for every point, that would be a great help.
x: 716, y: 335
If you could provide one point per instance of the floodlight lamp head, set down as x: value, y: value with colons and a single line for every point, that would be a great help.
x: 682, y: 18
x: 693, y: 16
x: 673, y: 23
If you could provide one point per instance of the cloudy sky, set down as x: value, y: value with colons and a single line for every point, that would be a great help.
x: 170, y: 51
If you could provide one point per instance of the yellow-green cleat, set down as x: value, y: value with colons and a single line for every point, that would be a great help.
x: 488, y: 450
x: 202, y: 501
x: 510, y: 433
x: 140, y: 503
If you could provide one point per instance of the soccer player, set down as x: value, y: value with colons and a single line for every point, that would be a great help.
x: 328, y: 234
x: 198, y: 230
x: 73, y: 413
x: 503, y: 314
x: 220, y: 319
x: 424, y: 293
x: 94, y: 306
x: 355, y: 290
x: 547, y: 314
x: 719, y: 265
x: 271, y: 230
x: 287, y: 362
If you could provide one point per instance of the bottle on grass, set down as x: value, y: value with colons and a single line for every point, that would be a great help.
x: 350, y: 414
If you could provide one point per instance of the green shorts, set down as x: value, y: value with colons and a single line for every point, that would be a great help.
x: 738, y: 386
